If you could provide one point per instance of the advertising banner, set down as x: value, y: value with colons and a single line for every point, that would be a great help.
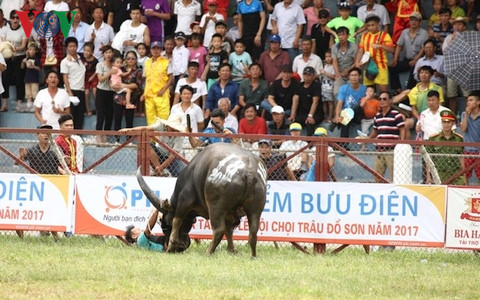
x: 36, y: 202
x: 463, y: 218
x: 353, y: 213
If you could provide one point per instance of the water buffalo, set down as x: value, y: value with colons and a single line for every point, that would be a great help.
x: 223, y: 183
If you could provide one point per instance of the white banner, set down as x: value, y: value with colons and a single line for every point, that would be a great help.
x: 463, y: 218
x: 36, y: 202
x: 355, y: 213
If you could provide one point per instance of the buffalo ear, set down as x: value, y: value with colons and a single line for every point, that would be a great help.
x: 166, y: 205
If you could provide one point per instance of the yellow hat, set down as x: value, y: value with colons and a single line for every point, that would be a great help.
x: 320, y: 131
x: 296, y: 126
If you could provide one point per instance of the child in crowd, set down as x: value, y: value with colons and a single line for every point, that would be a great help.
x: 435, y: 17
x: 195, y: 27
x: 240, y: 61
x: 208, y: 21
x: 221, y: 28
x: 142, y: 51
x: 198, y: 53
x: 180, y: 56
x: 216, y: 56
x: 370, y: 107
x: 116, y: 78
x: 328, y: 78
x: 232, y: 33
x: 32, y: 75
x: 91, y: 79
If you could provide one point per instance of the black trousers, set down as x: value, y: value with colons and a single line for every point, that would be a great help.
x: 104, y: 104
x: 78, y: 111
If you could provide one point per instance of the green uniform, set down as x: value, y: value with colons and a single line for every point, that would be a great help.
x: 447, y: 166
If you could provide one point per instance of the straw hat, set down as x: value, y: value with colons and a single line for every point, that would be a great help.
x: 7, y: 49
x: 174, y: 122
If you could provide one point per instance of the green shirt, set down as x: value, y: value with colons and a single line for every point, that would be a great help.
x: 447, y: 166
x: 145, y: 243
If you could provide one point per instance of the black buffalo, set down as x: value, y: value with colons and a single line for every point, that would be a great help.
x: 223, y: 183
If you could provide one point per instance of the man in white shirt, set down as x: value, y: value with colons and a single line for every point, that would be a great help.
x: 187, y: 11
x: 99, y: 33
x: 307, y: 59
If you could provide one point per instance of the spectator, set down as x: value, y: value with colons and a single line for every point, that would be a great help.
x: 73, y: 72
x: 132, y: 32
x: 31, y: 64
x: 321, y: 38
x: 312, y: 15
x: 180, y: 57
x: 198, y: 53
x: 67, y: 144
x: 8, y: 6
x: 208, y: 21
x: 56, y: 5
x: 230, y: 120
x: 240, y: 61
x: 449, y: 164
x: 251, y: 22
x: 371, y: 7
x: 224, y: 87
x: 433, y: 60
x: 408, y: 51
x: 435, y: 17
x: 154, y: 13
x: 158, y: 78
x: 168, y: 46
x: 310, y: 175
x: 221, y: 29
x: 403, y: 11
x: 307, y: 107
x: 78, y: 28
x: 14, y: 74
x: 345, y: 20
x: 279, y: 125
x: 273, y: 60
x: 104, y: 99
x: 307, y: 59
x: 382, y: 43
x: 370, y: 107
x: 287, y: 21
x: 343, y: 58
x: 119, y: 11
x: 232, y: 32
x: 132, y: 81
x: 470, y: 125
x: 282, y: 91
x: 83, y: 6
x: 199, y: 87
x: 387, y: 124
x: 453, y: 88
x: 349, y: 96
x: 251, y: 123
x: 271, y: 161
x: 217, y: 116
x: 144, y: 238
x: 215, y: 58
x: 99, y: 33
x: 187, y: 107
x: 327, y: 77
x: 456, y: 10
x: 91, y: 79
x: 441, y: 30
x: 51, y: 102
x: 187, y: 11
x: 297, y: 164
x: 254, y: 89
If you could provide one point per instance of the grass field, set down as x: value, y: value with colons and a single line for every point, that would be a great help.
x: 86, y: 268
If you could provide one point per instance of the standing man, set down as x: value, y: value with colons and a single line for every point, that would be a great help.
x: 187, y: 11
x: 343, y: 58
x: 287, y: 21
x: 251, y: 22
x: 470, y: 125
x: 158, y: 79
x: 371, y: 7
x: 154, y: 13
x: 448, y: 165
x: 387, y: 124
x: 307, y: 105
x: 99, y: 33
x: 119, y: 11
x: 273, y: 59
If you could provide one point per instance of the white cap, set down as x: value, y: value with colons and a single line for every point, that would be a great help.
x: 277, y: 109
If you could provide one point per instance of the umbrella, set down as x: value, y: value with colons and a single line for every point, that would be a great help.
x: 462, y: 60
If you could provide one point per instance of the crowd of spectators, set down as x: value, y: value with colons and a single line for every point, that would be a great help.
x: 264, y: 65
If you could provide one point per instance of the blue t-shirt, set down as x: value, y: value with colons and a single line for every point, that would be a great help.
x: 350, y: 96
x: 473, y: 133
x: 214, y: 139
x: 145, y: 243
x: 238, y: 63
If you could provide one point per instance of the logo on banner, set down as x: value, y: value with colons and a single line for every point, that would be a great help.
x: 115, y: 197
x: 46, y: 24
x: 472, y: 213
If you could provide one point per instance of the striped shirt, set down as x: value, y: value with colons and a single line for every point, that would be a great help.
x: 387, y: 127
x: 379, y: 55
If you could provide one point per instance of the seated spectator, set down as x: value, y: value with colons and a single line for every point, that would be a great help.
x: 310, y: 175
x: 297, y: 163
x: 282, y: 91
x: 240, y: 61
x: 186, y: 107
x: 273, y: 59
x: 371, y: 7
x: 224, y: 87
x: 199, y: 87
x: 307, y: 107
x: 307, y: 59
x: 272, y: 160
x: 254, y: 89
x: 433, y: 60
x: 218, y: 117
x: 279, y: 125
x: 251, y: 123
x: 441, y: 30
x: 435, y: 18
x: 230, y: 120
x: 370, y: 108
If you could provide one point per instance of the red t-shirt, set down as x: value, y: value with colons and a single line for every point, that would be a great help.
x: 258, y: 127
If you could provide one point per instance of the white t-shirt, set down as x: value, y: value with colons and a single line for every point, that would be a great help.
x: 134, y: 34
x: 62, y: 6
x: 104, y: 35
x: 75, y: 71
x: 186, y: 15
x: 210, y: 29
x: 2, y: 62
x: 46, y: 103
x: 195, y: 112
x: 199, y: 89
x: 13, y: 36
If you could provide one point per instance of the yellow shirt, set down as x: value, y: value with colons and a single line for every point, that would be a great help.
x: 156, y: 75
x: 379, y: 55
